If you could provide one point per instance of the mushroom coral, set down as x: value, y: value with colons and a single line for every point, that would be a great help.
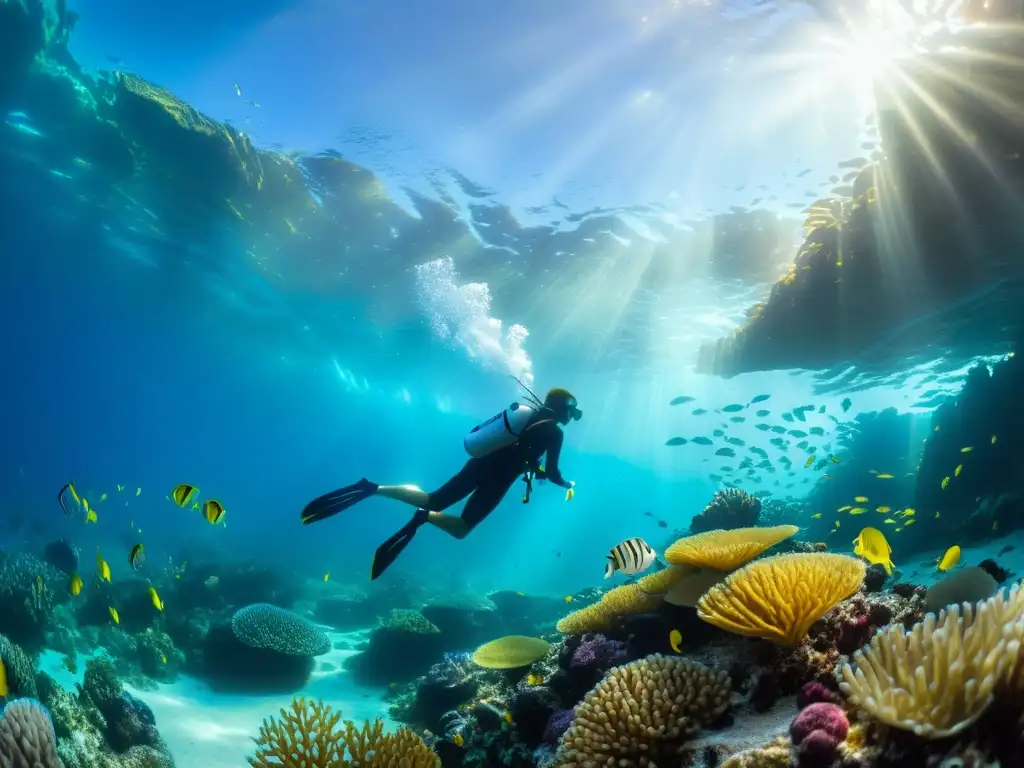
x: 779, y: 598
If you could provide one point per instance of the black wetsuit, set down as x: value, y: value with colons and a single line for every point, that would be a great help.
x: 488, y: 479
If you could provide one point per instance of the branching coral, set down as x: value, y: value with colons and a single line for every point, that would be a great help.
x: 27, y: 739
x: 780, y: 597
x: 311, y: 735
x: 730, y: 508
x: 939, y: 678
x: 643, y: 713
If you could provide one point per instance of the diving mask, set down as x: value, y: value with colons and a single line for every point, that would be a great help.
x: 574, y: 413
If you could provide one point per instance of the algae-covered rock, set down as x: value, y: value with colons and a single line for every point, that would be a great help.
x: 403, y: 647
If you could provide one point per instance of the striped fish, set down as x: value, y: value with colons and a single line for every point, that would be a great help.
x: 631, y: 556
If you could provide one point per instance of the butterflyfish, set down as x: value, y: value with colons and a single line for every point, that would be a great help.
x: 631, y: 556
x: 183, y: 494
x: 62, y: 497
x: 213, y: 511
x: 155, y: 599
x: 137, y: 557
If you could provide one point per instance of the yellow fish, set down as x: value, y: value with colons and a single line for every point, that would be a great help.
x: 945, y: 482
x: 90, y: 516
x: 457, y: 740
x: 103, y: 497
x: 810, y: 460
x: 847, y: 508
x: 163, y: 659
x: 569, y: 493
x: 968, y: 449
x: 213, y: 511
x: 102, y: 569
x: 883, y: 509
x: 39, y: 585
x: 534, y: 679
x: 872, y: 546
x: 155, y: 598
x: 909, y: 512
x: 568, y: 598
x: 508, y: 718
x: 958, y: 470
x: 885, y: 476
x: 815, y: 517
x: 675, y: 637
x: 833, y: 459
x: 183, y: 494
x: 138, y: 491
x: 858, y: 511
x: 327, y: 575
x: 837, y: 525
x: 861, y: 499
x: 113, y: 614
x: 4, y: 691
x: 75, y: 585
x: 909, y: 522
x: 85, y: 504
x: 949, y: 559
x: 937, y: 516
x: 994, y: 439
x: 889, y: 521
x: 937, y: 427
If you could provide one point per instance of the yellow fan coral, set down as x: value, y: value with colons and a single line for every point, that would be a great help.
x: 511, y: 652
x: 643, y: 713
x: 622, y: 601
x: 309, y: 736
x: 661, y: 581
x: 780, y: 597
x: 726, y: 550
x: 939, y: 678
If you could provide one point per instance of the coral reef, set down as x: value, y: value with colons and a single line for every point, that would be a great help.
x: 29, y: 590
x: 730, y: 508
x: 311, y: 735
x: 649, y: 707
x: 27, y: 739
x: 402, y: 647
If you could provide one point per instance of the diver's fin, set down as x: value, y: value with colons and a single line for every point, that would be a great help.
x: 337, y: 501
x: 389, y: 551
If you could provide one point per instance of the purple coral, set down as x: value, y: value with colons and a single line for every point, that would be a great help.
x: 596, y: 650
x: 818, y: 730
x: 558, y: 724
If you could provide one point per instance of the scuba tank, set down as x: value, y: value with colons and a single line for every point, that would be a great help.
x: 499, y: 431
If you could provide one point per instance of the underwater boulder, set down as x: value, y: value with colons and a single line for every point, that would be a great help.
x: 346, y: 612
x: 62, y: 556
x: 401, y: 648
x: 462, y: 623
x: 262, y: 648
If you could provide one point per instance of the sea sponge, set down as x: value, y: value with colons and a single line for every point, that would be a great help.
x: 27, y: 739
x: 511, y: 652
x: 268, y: 627
x: 311, y: 735
x: 730, y: 508
x: 780, y: 597
x: 622, y: 601
x: 969, y: 585
x: 819, y: 729
x: 642, y: 713
x: 939, y: 678
x: 726, y: 550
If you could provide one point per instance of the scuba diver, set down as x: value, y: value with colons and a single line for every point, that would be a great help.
x: 502, y: 449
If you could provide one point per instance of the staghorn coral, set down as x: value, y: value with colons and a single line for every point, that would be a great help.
x: 939, y: 678
x: 27, y: 739
x: 311, y: 735
x: 268, y: 627
x: 511, y: 652
x: 780, y: 597
x: 622, y: 601
x: 728, y: 509
x: 643, y: 713
x: 726, y: 550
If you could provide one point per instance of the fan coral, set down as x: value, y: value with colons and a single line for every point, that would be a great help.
x: 643, y: 713
x: 271, y: 628
x: 622, y: 601
x: 939, y: 678
x: 726, y: 550
x: 27, y: 739
x: 511, y: 652
x: 730, y: 508
x: 780, y: 597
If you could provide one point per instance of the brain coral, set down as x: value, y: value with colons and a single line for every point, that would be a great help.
x: 780, y: 597
x: 642, y: 714
x: 939, y: 678
x: 27, y: 739
x: 271, y: 628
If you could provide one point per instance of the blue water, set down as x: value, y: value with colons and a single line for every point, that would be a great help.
x: 539, y: 174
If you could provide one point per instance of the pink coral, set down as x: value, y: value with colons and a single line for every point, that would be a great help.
x: 819, y: 729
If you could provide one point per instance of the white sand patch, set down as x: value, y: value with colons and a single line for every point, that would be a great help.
x: 215, y: 730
